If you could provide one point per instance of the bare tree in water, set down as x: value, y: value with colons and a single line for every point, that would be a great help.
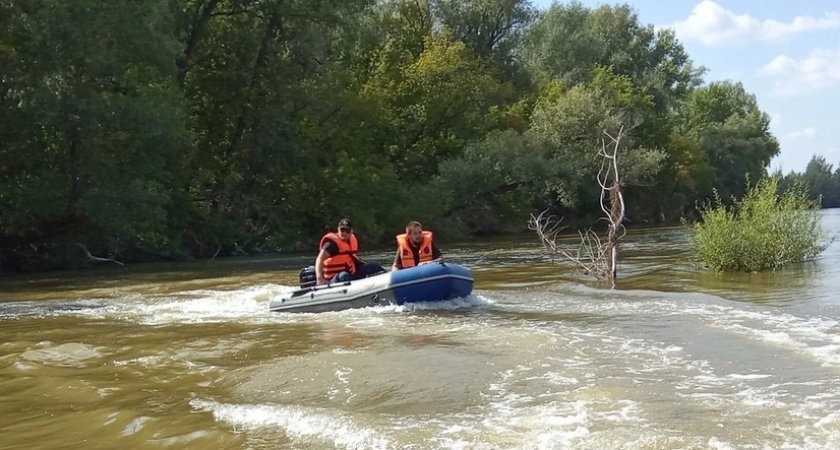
x: 593, y: 257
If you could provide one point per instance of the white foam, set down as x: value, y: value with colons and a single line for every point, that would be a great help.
x: 815, y: 337
x: 342, y: 374
x: 468, y: 302
x: 145, y: 361
x: 198, y: 306
x: 830, y: 419
x: 217, y: 306
x: 754, y: 376
x: 812, y: 336
x: 134, y: 426
x: 209, y: 306
x: 717, y: 444
x: 297, y: 423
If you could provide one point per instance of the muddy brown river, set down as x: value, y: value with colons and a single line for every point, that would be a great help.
x: 187, y: 356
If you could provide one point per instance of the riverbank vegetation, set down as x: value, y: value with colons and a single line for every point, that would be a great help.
x: 763, y: 230
x: 820, y: 179
x: 172, y: 129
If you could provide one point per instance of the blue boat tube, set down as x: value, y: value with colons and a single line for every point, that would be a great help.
x: 431, y: 282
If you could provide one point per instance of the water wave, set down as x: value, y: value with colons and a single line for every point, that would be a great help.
x: 210, y: 306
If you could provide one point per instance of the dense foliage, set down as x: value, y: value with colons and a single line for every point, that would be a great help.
x: 190, y: 128
x: 763, y: 230
x: 820, y: 179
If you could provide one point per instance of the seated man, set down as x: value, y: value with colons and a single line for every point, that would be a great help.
x: 415, y: 247
x: 337, y: 260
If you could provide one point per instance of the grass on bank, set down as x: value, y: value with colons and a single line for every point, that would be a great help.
x: 763, y: 230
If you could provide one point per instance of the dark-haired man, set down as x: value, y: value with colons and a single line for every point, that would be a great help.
x: 416, y: 246
x: 337, y: 260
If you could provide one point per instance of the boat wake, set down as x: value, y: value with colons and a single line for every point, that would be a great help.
x: 209, y: 306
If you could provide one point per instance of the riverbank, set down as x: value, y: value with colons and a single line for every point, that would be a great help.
x: 308, y: 249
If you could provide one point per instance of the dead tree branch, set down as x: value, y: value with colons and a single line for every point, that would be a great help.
x: 593, y: 257
x: 215, y: 254
x: 614, y: 209
x: 590, y: 256
x: 96, y: 258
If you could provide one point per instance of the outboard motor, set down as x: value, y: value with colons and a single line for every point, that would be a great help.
x: 308, y: 277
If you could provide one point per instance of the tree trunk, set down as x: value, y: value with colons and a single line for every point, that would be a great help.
x: 73, y: 166
x: 271, y: 30
x: 616, y: 219
x: 196, y: 32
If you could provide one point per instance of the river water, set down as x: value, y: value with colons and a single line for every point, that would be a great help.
x: 188, y: 356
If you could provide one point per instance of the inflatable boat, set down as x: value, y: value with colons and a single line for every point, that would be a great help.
x: 430, y: 282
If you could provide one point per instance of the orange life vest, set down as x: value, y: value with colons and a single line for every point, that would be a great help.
x: 407, y: 255
x: 343, y: 260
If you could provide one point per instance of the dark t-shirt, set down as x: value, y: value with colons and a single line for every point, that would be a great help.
x: 436, y: 253
x: 332, y: 248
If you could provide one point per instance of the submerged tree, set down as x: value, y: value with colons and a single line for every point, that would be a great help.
x: 592, y: 256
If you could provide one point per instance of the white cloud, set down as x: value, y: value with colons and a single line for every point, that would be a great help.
x: 809, y: 132
x: 711, y: 24
x: 776, y: 119
x: 820, y: 69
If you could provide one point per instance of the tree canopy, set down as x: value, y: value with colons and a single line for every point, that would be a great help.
x: 189, y: 128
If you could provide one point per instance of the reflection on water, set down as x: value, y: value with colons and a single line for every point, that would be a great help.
x: 188, y: 356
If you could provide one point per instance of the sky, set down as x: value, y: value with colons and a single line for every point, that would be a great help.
x: 786, y: 53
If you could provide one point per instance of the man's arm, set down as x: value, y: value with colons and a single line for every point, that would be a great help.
x: 329, y: 249
x: 397, y: 265
x: 319, y: 265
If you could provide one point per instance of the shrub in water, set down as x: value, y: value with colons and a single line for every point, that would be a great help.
x: 761, y: 231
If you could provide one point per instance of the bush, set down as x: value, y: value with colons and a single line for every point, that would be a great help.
x: 761, y: 231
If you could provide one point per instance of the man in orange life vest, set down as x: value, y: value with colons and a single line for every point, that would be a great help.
x: 337, y: 260
x: 415, y: 247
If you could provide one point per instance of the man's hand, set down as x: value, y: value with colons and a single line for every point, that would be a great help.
x: 321, y: 280
x: 439, y: 260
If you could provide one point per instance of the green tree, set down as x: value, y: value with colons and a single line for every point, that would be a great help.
x: 272, y: 108
x: 608, y: 47
x: 569, y: 40
x: 492, y: 29
x: 573, y: 125
x: 819, y: 179
x: 733, y: 131
x: 497, y: 180
x: 434, y: 105
x: 96, y: 124
x: 686, y: 174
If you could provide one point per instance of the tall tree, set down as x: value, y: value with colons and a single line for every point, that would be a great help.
x: 821, y: 181
x: 434, y: 105
x: 569, y: 40
x: 733, y: 131
x: 97, y: 125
